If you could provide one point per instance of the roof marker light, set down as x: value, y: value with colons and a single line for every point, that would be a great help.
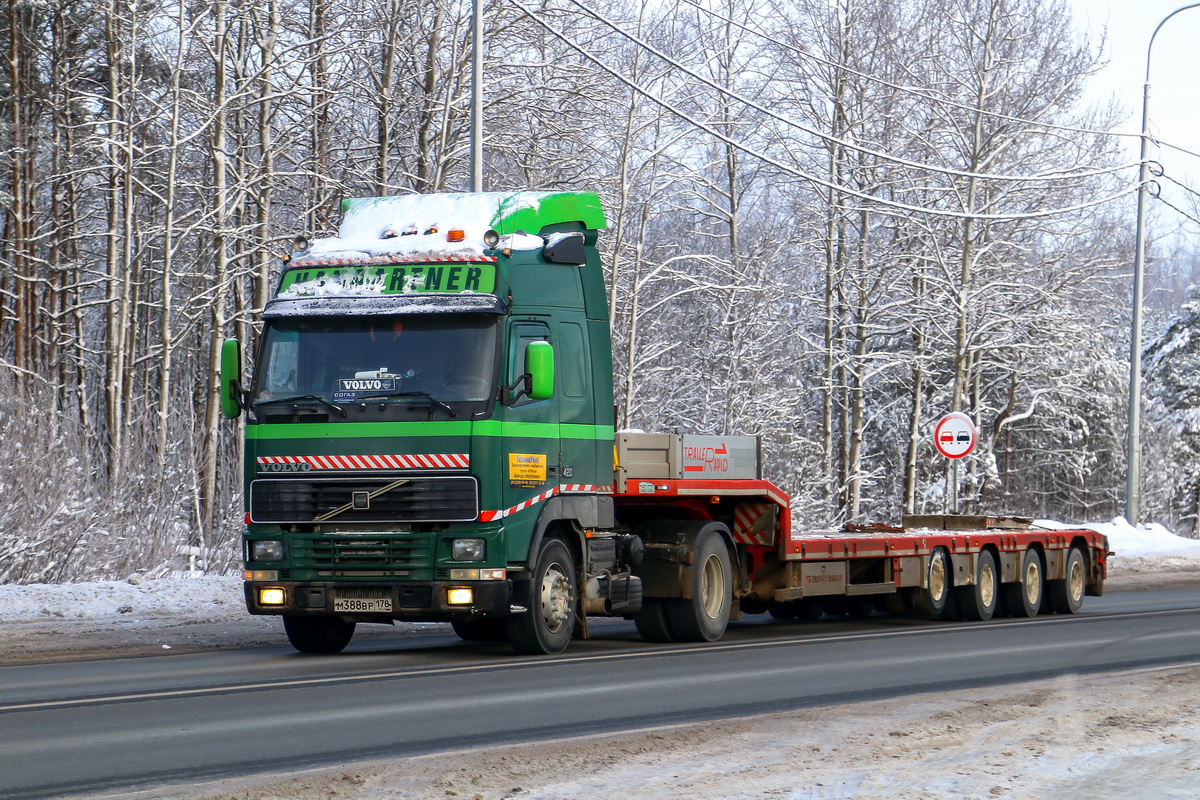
x: 456, y: 235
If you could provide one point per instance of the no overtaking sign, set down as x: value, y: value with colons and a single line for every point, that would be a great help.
x: 955, y: 435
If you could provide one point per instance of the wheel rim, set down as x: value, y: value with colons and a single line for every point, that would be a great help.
x: 987, y: 585
x: 555, y: 598
x: 1033, y: 582
x: 937, y: 578
x: 712, y: 586
x: 1075, y: 580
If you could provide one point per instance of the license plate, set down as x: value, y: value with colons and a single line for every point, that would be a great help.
x: 363, y: 605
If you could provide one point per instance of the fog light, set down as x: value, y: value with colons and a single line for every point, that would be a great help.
x: 468, y: 549
x: 460, y: 597
x: 273, y: 596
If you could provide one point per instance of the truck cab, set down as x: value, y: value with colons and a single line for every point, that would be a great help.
x: 431, y: 395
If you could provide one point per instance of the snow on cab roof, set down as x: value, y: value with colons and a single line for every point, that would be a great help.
x: 417, y: 224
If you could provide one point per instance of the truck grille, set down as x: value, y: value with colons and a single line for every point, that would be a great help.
x: 388, y: 498
x: 369, y: 556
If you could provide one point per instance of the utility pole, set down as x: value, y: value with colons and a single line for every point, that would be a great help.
x: 476, y: 95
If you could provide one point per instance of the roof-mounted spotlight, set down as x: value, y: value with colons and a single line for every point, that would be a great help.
x: 491, y: 239
x: 300, y: 244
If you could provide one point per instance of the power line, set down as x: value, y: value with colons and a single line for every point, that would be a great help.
x: 905, y: 89
x: 798, y: 172
x: 834, y: 139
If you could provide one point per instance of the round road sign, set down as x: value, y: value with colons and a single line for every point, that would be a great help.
x: 955, y: 435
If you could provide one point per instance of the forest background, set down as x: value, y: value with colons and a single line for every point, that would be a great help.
x: 830, y: 223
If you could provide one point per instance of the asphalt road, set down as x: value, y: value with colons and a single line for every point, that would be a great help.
x: 129, y: 724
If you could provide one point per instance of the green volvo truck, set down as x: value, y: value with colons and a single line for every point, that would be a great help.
x: 429, y: 437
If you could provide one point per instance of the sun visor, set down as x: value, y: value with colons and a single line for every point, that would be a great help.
x: 327, y: 306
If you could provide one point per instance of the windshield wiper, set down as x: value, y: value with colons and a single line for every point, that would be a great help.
x: 341, y: 412
x: 444, y: 406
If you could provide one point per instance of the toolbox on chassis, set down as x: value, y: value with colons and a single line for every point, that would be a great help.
x: 428, y: 437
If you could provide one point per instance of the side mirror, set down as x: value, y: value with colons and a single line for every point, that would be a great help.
x: 539, y: 365
x: 231, y: 378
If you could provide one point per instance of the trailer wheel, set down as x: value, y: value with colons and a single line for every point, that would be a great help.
x: 978, y: 602
x: 1066, y: 595
x: 1024, y: 598
x: 705, y: 616
x: 326, y: 635
x: 546, y: 628
x: 480, y: 630
x: 651, y: 621
x: 931, y: 599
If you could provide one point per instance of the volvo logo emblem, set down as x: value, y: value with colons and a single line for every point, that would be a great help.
x: 361, y: 500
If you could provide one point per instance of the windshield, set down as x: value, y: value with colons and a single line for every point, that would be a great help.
x: 416, y: 359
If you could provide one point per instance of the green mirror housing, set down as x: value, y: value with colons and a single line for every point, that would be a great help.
x: 539, y: 364
x: 231, y: 378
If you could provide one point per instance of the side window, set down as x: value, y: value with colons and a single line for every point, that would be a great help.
x: 520, y: 335
x: 570, y: 360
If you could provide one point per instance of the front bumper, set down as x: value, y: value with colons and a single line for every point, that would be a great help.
x: 417, y: 601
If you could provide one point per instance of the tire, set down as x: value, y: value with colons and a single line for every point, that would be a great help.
x: 1066, y: 595
x: 546, y: 628
x: 325, y: 635
x: 705, y: 616
x: 480, y: 630
x: 1025, y: 597
x: 651, y: 621
x: 978, y: 602
x: 931, y: 599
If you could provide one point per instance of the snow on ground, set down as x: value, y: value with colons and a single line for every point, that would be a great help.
x: 1136, y: 734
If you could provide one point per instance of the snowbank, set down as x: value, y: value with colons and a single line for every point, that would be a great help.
x: 201, y: 596
x: 1143, y: 547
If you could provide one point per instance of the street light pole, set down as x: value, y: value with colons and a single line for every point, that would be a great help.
x: 1133, y: 463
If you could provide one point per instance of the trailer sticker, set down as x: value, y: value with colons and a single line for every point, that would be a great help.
x: 527, y: 470
x: 411, y: 461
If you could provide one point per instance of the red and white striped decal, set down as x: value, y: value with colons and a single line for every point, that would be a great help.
x: 415, y: 461
x: 752, y: 523
x: 426, y: 258
x: 568, y: 488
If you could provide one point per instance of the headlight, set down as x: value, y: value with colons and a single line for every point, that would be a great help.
x: 266, y: 550
x: 469, y: 549
x: 460, y: 597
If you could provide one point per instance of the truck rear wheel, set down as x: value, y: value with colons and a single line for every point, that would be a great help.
x: 651, y: 621
x: 931, y: 599
x: 704, y: 617
x: 546, y: 628
x: 1024, y: 598
x: 978, y: 602
x: 318, y: 634
x: 480, y: 630
x: 1066, y: 595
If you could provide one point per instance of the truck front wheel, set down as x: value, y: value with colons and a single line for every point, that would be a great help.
x: 704, y: 617
x: 318, y: 634
x: 545, y: 629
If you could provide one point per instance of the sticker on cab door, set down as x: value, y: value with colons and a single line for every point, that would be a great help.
x: 527, y: 470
